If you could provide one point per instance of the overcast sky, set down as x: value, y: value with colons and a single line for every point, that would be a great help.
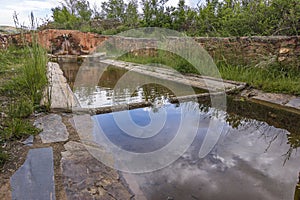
x: 42, y: 9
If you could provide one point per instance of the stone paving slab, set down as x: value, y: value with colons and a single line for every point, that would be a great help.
x: 53, y: 129
x: 34, y: 180
x: 283, y: 100
x: 294, y: 103
x: 84, y: 177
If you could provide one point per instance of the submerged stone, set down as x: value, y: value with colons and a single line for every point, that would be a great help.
x: 35, y: 178
x: 84, y: 177
x: 54, y: 130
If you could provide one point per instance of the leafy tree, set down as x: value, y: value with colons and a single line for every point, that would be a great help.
x: 63, y: 18
x: 154, y: 13
x: 211, y: 18
x: 72, y: 14
x: 114, y: 9
x: 132, y: 16
x: 180, y: 16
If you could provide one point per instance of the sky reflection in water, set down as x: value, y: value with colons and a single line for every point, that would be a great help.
x: 248, y: 162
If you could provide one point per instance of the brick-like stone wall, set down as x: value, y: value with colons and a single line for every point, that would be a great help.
x: 253, y: 51
x: 256, y: 50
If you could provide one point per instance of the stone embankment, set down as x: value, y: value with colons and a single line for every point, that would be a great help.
x: 257, y: 50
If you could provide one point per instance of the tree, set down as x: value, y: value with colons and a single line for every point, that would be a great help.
x: 155, y: 14
x: 180, y: 16
x: 132, y: 16
x: 114, y: 9
x: 72, y: 14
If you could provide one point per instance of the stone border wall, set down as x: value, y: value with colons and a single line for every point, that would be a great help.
x: 253, y: 51
x: 258, y: 50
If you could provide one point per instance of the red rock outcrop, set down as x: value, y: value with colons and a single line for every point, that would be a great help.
x: 53, y: 40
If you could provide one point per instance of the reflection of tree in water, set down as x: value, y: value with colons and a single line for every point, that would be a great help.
x: 241, y: 114
x: 263, y: 126
x: 234, y: 121
x: 153, y: 92
x: 293, y: 140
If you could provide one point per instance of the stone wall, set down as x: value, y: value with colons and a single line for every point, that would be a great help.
x: 259, y: 51
x: 253, y: 51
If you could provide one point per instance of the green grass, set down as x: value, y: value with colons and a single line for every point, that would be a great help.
x: 273, y: 78
x: 22, y: 82
x: 161, y: 57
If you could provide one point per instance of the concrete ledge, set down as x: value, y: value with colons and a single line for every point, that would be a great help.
x: 58, y: 92
x: 282, y: 101
x: 204, y: 82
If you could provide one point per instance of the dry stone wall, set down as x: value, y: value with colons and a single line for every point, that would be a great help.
x: 259, y: 51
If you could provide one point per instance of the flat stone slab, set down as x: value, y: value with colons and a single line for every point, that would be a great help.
x: 281, y: 99
x: 35, y: 178
x: 59, y: 90
x: 53, y: 129
x: 284, y: 100
x: 84, y: 177
x: 294, y: 103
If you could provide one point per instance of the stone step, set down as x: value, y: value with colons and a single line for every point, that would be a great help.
x: 34, y: 180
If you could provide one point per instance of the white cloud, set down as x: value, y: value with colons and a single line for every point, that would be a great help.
x: 23, y: 8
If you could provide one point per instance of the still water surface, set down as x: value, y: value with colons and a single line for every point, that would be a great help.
x: 252, y: 159
x: 255, y: 158
x: 98, y: 85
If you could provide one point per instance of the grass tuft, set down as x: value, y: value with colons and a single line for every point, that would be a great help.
x: 23, y: 79
x: 273, y: 78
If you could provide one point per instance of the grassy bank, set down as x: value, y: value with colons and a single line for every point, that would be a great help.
x: 272, y: 78
x: 22, y: 81
x: 161, y: 57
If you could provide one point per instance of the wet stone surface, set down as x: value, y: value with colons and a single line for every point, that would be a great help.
x: 53, y: 129
x: 295, y: 103
x: 87, y: 178
x: 284, y: 100
x: 35, y: 178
